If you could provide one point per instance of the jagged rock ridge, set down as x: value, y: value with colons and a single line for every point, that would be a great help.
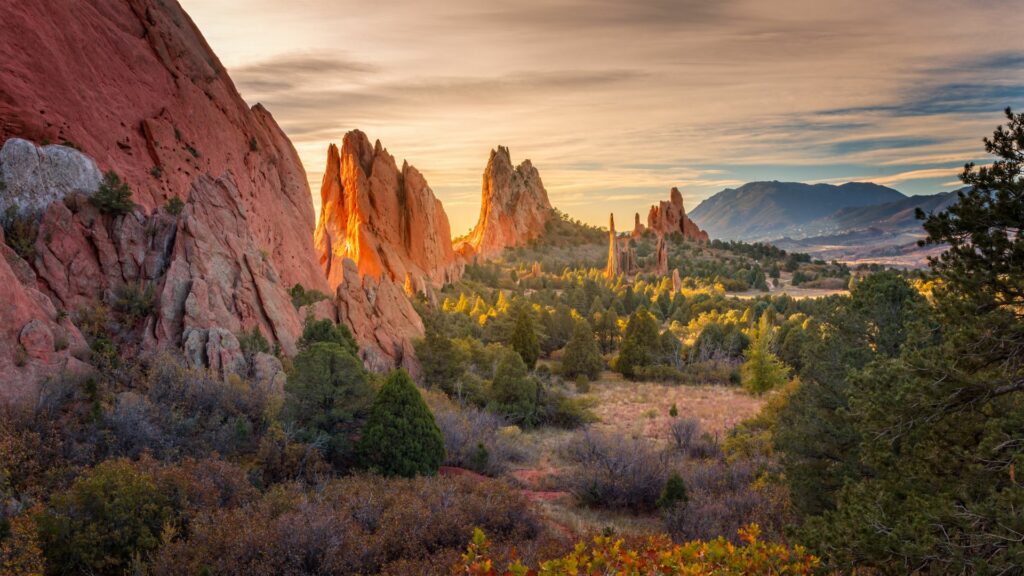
x: 386, y: 219
x: 514, y: 208
x: 667, y: 218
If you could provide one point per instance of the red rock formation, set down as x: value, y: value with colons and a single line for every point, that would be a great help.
x: 638, y: 228
x: 670, y: 217
x: 382, y: 319
x: 134, y: 85
x: 35, y: 341
x: 514, y: 209
x: 677, y: 284
x: 385, y: 219
x: 621, y: 256
x: 139, y: 92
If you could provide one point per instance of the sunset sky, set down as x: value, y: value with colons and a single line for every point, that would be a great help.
x: 617, y: 101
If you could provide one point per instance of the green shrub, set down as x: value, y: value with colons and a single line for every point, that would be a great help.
x: 401, y: 437
x: 109, y: 514
x: 134, y: 301
x: 156, y: 172
x: 20, y: 232
x: 174, y: 205
x: 326, y: 396
x: 253, y: 342
x: 674, y: 494
x: 114, y: 197
x: 302, y: 297
x: 314, y: 331
x: 582, y: 384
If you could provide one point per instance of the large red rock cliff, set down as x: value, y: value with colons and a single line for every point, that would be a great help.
x: 386, y: 219
x: 514, y: 209
x: 134, y: 87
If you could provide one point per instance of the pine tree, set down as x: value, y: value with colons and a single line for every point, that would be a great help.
x: 639, y: 343
x: 401, y: 437
x: 327, y: 394
x: 763, y: 370
x: 441, y: 363
x: 513, y: 391
x: 674, y: 493
x: 582, y: 355
x: 524, y: 336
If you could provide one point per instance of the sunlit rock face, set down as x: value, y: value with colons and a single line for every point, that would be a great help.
x: 612, y: 269
x: 670, y: 217
x: 621, y: 256
x: 384, y: 218
x: 514, y: 209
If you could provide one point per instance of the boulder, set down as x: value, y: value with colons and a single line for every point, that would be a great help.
x: 31, y: 177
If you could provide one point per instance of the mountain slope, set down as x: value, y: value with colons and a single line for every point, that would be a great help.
x: 768, y: 210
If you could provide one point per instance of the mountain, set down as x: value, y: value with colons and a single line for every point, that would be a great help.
x: 513, y: 211
x: 888, y: 216
x: 770, y: 210
x: 884, y: 233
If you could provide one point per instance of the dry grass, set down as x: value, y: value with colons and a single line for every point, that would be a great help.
x: 641, y: 409
x: 636, y: 409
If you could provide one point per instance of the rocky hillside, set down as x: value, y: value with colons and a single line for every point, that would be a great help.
x: 221, y: 221
x: 514, y: 208
x: 771, y: 210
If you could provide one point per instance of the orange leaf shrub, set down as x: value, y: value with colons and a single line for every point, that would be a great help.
x: 659, y: 556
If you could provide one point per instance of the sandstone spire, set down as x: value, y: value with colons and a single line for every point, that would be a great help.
x: 386, y: 219
x: 638, y: 228
x: 612, y: 269
x: 662, y: 255
x: 514, y: 208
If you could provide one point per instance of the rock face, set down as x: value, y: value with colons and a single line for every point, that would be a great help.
x: 514, y: 209
x: 384, y: 218
x: 31, y: 177
x: 670, y: 217
x: 140, y: 91
x: 35, y: 341
x: 382, y: 319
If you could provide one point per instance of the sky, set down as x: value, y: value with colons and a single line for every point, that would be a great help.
x: 617, y: 101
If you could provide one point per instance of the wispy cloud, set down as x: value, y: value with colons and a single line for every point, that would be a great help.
x: 616, y: 102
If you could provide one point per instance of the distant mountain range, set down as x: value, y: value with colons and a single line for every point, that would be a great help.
x: 858, y: 221
x: 771, y: 210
